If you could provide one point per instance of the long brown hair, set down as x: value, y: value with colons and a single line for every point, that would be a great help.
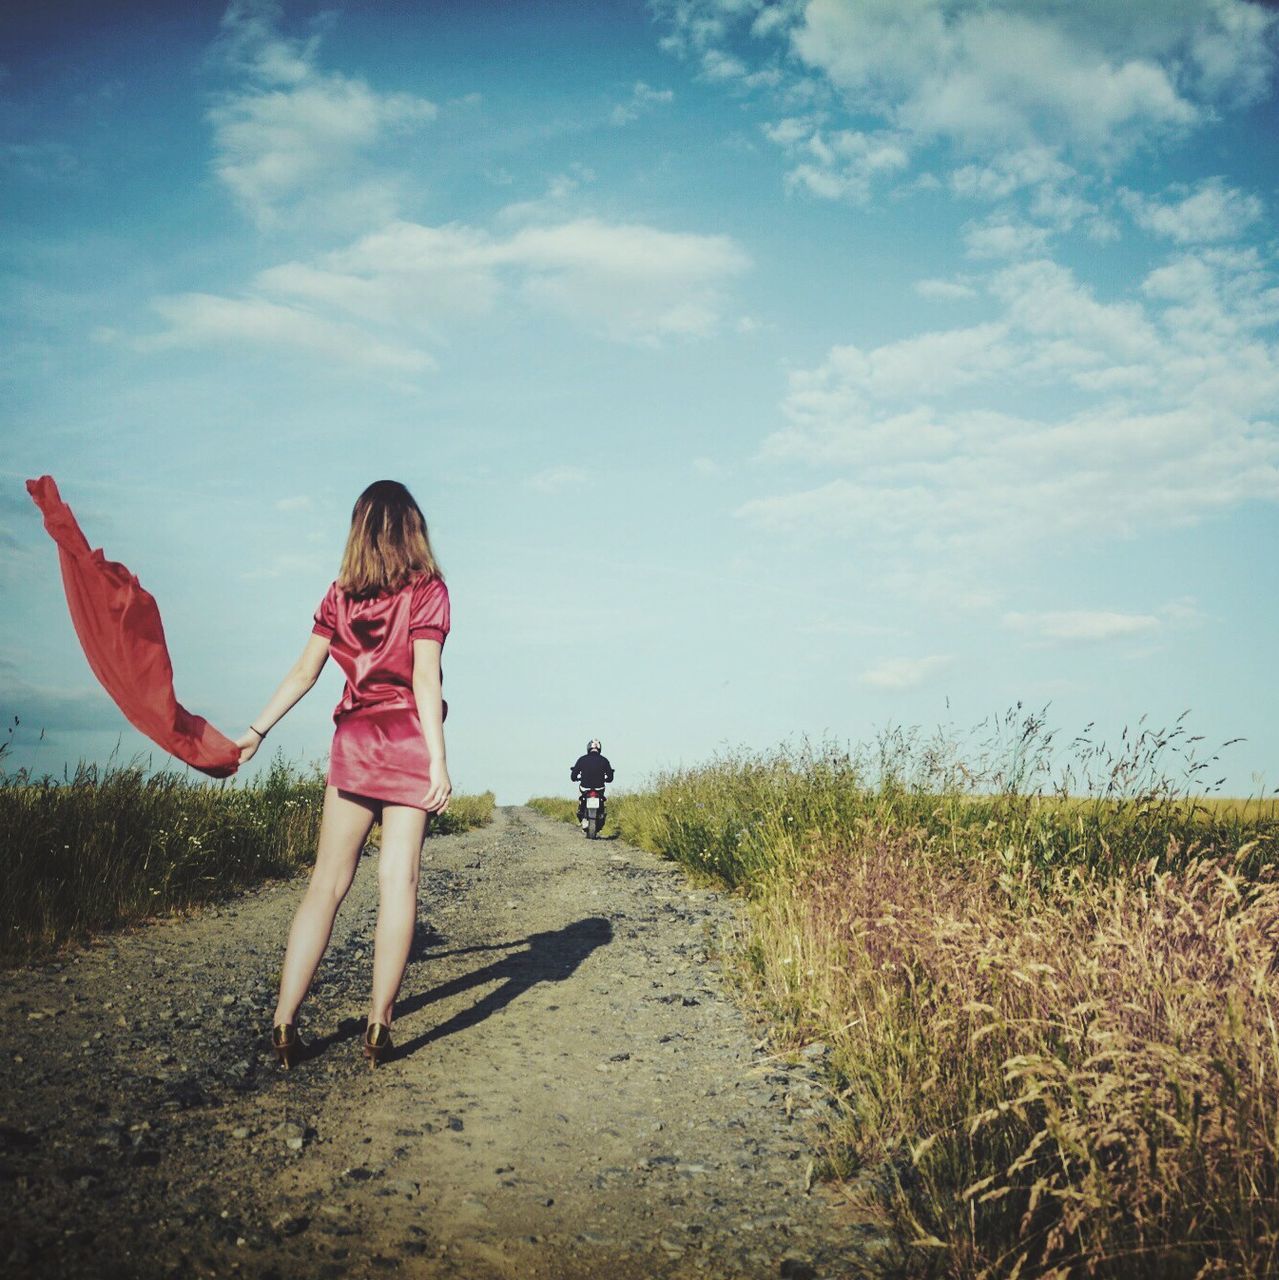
x: 388, y: 544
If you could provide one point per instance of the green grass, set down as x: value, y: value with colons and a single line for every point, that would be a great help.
x: 1045, y: 976
x: 464, y: 813
x: 556, y: 807
x: 108, y: 847
x: 1010, y: 800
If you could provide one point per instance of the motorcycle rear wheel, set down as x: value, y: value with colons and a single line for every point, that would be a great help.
x: 592, y: 827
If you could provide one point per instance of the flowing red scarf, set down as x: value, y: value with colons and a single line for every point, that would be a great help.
x: 120, y: 631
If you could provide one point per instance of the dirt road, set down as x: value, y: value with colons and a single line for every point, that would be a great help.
x: 573, y: 1092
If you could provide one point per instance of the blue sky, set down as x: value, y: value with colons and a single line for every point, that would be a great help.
x: 764, y: 369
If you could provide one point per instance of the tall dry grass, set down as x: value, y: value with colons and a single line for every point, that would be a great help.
x: 465, y: 813
x: 558, y: 808
x: 1072, y: 1078
x: 1008, y: 792
x: 1047, y: 975
x: 104, y: 847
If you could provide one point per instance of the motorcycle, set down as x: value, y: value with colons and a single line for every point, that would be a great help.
x: 591, y: 809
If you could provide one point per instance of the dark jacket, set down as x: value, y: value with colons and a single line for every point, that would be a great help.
x: 592, y: 770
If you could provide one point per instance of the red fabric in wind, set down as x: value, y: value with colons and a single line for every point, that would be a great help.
x: 123, y: 638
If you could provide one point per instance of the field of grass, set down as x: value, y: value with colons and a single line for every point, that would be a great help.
x: 1049, y: 989
x: 107, y: 847
x: 465, y: 813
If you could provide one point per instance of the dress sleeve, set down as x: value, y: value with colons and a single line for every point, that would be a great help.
x: 429, y: 613
x: 326, y: 616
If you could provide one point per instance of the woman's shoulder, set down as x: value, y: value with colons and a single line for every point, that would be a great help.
x: 430, y: 612
x: 419, y: 589
x: 427, y: 585
x: 338, y: 597
x: 326, y: 612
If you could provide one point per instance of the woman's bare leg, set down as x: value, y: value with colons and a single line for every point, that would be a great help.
x: 344, y: 827
x: 397, y: 870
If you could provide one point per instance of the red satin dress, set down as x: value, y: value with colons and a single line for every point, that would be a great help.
x: 378, y: 748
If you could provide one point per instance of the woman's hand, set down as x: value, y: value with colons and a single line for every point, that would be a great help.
x: 248, y: 742
x: 437, y: 795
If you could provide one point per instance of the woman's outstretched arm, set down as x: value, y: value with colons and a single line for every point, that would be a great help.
x: 296, y: 684
x: 430, y: 710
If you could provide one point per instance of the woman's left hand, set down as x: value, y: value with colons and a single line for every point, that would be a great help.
x: 437, y: 795
x: 248, y: 742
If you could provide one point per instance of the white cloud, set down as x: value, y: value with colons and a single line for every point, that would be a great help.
x: 1064, y: 208
x: 631, y: 282
x: 1055, y: 191
x: 693, y: 25
x: 1089, y: 76
x: 642, y: 100
x: 1226, y: 290
x: 405, y: 275
x: 1020, y: 92
x: 1011, y: 171
x: 791, y: 131
x: 250, y: 43
x: 557, y: 479
x: 897, y: 674
x: 1210, y: 211
x: 203, y: 319
x: 841, y: 508
x: 553, y: 203
x: 625, y: 249
x: 386, y: 299
x: 1067, y: 416
x: 1183, y: 612
x: 1081, y: 624
x: 944, y: 290
x: 717, y: 65
x: 1072, y: 327
x: 838, y: 164
x: 925, y: 366
x: 289, y: 140
x: 299, y: 502
x: 1008, y: 76
x: 1001, y: 237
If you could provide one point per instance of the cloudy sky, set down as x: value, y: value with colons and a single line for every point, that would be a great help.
x: 764, y: 369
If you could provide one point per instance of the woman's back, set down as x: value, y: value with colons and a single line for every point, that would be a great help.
x: 371, y: 638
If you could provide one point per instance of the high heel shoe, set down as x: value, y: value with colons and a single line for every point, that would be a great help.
x: 285, y: 1042
x: 377, y: 1041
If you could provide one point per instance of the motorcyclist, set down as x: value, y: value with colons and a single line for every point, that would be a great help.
x: 591, y: 771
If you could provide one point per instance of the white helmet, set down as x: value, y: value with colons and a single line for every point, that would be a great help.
x: 594, y: 745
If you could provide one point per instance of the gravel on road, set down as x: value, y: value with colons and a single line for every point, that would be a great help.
x: 573, y: 1092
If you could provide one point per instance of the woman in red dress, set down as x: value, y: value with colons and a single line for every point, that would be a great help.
x: 384, y: 620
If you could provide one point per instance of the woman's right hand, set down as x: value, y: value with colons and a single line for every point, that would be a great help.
x: 248, y: 742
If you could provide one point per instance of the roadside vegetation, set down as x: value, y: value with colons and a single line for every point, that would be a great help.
x: 110, y: 846
x: 464, y: 813
x: 1045, y: 975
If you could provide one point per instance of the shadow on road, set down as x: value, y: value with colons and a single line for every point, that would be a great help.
x: 547, y: 957
x: 425, y: 936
